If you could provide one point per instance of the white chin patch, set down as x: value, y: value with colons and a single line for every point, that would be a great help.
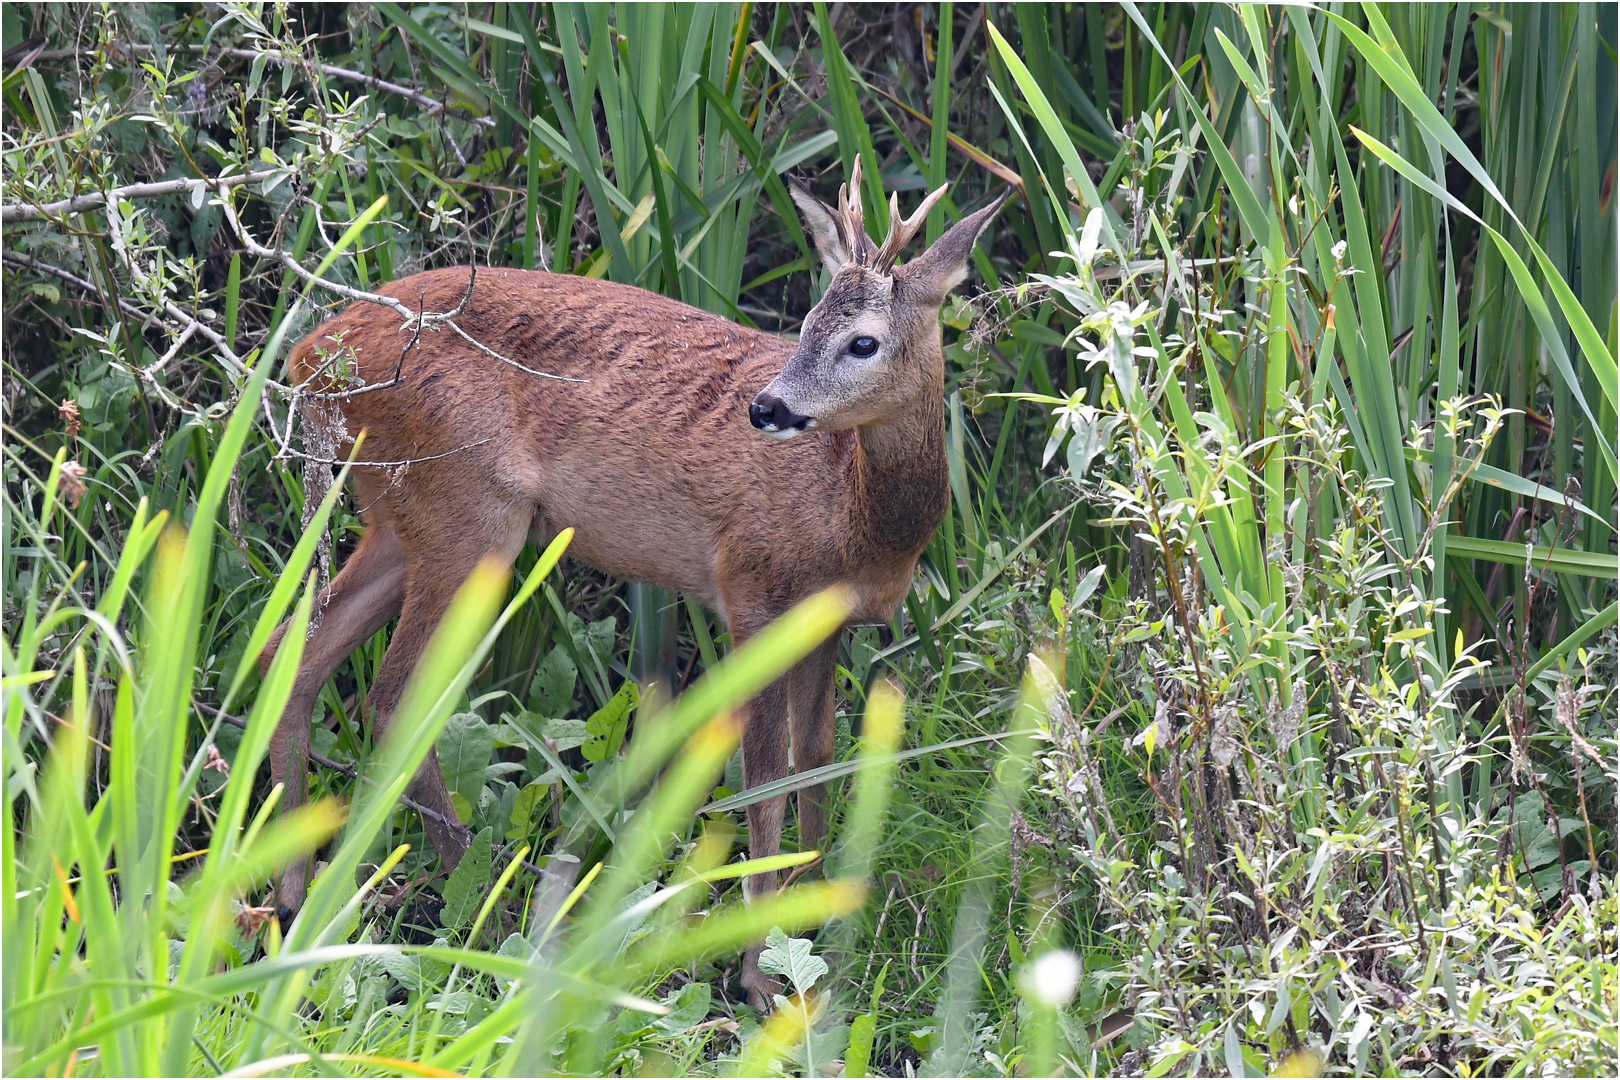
x: 783, y: 434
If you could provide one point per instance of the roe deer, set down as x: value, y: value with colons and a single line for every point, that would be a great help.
x: 650, y: 457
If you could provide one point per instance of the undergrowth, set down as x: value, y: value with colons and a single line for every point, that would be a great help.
x: 1253, y: 711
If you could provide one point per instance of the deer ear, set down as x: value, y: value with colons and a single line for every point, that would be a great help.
x: 929, y: 277
x: 822, y: 224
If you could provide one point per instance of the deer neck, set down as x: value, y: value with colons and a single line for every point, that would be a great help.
x: 902, y: 481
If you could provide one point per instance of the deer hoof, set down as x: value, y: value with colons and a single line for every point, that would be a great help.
x: 289, y: 891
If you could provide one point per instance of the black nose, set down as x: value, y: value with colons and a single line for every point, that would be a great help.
x: 770, y: 413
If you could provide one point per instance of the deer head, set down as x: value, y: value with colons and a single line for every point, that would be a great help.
x: 870, y: 348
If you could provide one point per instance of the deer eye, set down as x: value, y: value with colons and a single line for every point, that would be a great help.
x: 863, y: 346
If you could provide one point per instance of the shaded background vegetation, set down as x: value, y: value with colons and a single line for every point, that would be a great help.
x: 1339, y: 334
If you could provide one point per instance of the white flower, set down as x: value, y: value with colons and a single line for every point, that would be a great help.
x: 1053, y: 979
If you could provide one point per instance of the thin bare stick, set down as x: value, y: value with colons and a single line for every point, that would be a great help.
x: 258, y: 250
x: 95, y: 200
x: 429, y: 105
x: 400, y: 464
x: 507, y: 360
x: 187, y: 323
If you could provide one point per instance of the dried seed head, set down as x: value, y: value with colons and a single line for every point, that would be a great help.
x: 1284, y: 723
x: 73, y: 487
x: 69, y: 412
x: 250, y: 920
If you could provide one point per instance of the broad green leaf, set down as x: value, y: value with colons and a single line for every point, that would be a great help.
x: 551, y: 691
x: 606, y: 728
x: 465, y: 889
x: 464, y: 748
x: 531, y: 800
x: 862, y: 1032
x: 1491, y: 476
x: 688, y: 1007
x: 793, y: 959
x: 1557, y: 560
x: 1092, y: 432
x: 567, y: 734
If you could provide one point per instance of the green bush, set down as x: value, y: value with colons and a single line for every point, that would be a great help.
x: 1258, y: 690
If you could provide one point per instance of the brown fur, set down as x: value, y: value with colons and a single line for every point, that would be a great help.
x: 651, y: 458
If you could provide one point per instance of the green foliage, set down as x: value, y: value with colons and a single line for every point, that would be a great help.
x: 605, y: 730
x: 464, y: 749
x: 792, y: 959
x: 1313, y: 535
x: 552, y: 691
x: 466, y: 886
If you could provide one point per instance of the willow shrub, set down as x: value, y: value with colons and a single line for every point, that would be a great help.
x: 1360, y: 851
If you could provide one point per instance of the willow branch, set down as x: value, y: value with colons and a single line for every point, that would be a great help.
x: 95, y: 200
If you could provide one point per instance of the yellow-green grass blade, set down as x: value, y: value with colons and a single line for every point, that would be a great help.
x: 1502, y: 480
x: 1035, y: 97
x: 963, y: 965
x: 210, y: 910
x: 661, y: 817
x: 138, y: 543
x: 738, y: 676
x: 854, y: 137
x: 459, y: 644
x: 287, y: 582
x: 1254, y: 215
x: 733, y: 928
x: 1600, y: 621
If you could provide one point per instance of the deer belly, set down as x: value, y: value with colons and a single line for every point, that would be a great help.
x: 649, y: 550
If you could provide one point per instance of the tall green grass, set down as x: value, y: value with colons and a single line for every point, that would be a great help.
x: 97, y: 897
x: 1208, y: 159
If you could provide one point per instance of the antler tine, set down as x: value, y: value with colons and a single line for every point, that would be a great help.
x: 901, y: 231
x: 850, y: 215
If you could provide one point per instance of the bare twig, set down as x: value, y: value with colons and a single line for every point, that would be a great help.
x: 400, y: 464
x: 507, y: 360
x: 414, y: 321
x: 428, y: 104
x: 187, y: 324
x: 258, y: 250
x: 95, y: 200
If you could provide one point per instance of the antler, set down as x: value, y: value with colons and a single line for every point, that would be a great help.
x: 849, y: 216
x: 901, y: 231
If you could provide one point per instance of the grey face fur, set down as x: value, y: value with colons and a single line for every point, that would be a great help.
x: 836, y: 379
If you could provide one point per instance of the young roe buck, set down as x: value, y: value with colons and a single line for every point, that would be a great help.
x: 655, y: 459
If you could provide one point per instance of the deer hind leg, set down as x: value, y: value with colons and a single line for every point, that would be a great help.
x: 359, y: 602
x: 436, y: 568
x: 812, y: 701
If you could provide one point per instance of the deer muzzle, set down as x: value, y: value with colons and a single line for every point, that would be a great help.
x: 772, y: 415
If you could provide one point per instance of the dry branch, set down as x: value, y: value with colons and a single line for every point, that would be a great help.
x: 430, y: 105
x: 187, y: 324
x: 95, y: 200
